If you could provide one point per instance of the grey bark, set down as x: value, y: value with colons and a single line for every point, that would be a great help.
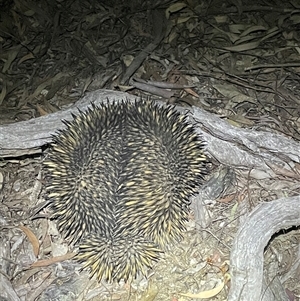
x: 265, y: 152
x: 230, y: 145
x: 247, y: 254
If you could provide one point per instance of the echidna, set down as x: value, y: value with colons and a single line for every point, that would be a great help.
x: 119, y: 179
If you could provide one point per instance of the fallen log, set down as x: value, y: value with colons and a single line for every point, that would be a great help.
x: 263, y: 152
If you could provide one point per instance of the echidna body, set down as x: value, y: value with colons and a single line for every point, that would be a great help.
x: 120, y: 178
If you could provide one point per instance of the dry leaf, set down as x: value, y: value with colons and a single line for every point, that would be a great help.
x: 174, y: 8
x: 190, y: 91
x: 46, y: 262
x: 48, y: 82
x: 221, y: 19
x: 241, y: 120
x: 253, y: 29
x: 41, y: 111
x: 227, y: 198
x: 26, y: 57
x: 233, y: 37
x: 243, y: 47
x: 209, y: 293
x: 182, y: 19
x: 237, y: 28
x: 233, y: 211
x: 11, y: 57
x: 3, y: 92
x: 33, y: 240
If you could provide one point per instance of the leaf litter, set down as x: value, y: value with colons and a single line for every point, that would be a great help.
x: 240, y: 61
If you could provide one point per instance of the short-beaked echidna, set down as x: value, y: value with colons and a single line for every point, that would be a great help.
x: 120, y: 178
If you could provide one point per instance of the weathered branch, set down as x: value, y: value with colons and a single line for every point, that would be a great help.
x: 247, y: 254
x: 256, y: 150
x: 27, y: 137
x: 228, y: 144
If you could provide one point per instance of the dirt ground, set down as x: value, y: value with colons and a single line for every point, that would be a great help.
x: 240, y: 61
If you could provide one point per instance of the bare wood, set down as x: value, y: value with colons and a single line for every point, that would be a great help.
x: 249, y: 149
x: 27, y: 137
x: 230, y: 145
x: 246, y: 258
